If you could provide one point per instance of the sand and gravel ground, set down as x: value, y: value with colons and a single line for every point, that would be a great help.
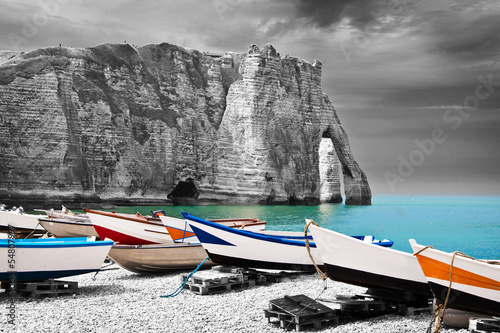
x: 116, y: 300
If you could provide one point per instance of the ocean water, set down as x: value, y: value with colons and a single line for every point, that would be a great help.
x: 467, y: 224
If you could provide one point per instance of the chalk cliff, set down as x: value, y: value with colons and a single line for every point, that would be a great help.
x: 162, y: 123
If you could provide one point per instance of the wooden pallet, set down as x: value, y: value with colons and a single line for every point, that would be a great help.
x: 300, y: 313
x: 211, y: 282
x: 261, y: 276
x: 356, y: 307
x: 484, y: 325
x: 46, y: 288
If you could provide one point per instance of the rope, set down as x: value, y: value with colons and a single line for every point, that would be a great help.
x: 181, y: 287
x: 308, y: 223
x: 307, y: 305
x: 103, y: 268
x: 440, y: 310
x: 31, y: 233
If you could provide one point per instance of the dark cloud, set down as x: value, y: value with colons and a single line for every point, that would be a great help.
x: 358, y: 13
x: 321, y: 13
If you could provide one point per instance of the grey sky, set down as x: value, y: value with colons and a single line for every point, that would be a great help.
x: 397, y: 71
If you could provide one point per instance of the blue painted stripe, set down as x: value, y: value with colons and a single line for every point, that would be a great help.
x: 208, y: 238
x: 266, y: 238
x: 44, y: 243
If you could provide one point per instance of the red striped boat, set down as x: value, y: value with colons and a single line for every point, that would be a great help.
x: 129, y: 228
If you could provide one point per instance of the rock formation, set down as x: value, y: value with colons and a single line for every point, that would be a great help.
x: 163, y: 123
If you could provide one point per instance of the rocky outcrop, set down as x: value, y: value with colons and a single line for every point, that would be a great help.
x: 163, y: 123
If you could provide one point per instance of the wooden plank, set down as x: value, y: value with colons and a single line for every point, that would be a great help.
x: 484, y: 325
x: 36, y: 289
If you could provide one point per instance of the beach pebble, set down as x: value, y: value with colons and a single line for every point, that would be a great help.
x: 117, y: 300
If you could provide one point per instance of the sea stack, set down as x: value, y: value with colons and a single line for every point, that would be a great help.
x: 161, y: 123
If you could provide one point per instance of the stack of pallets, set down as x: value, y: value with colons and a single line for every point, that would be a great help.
x: 211, y: 282
x: 226, y: 278
x: 300, y: 313
x: 46, y: 288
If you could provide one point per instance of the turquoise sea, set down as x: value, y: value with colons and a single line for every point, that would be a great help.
x: 467, y: 224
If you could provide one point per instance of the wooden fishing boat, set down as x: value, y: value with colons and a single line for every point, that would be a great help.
x: 19, y: 220
x: 158, y: 258
x: 475, y: 284
x: 65, y: 228
x: 128, y: 228
x: 181, y: 232
x: 361, y: 263
x: 50, y: 258
x: 269, y: 250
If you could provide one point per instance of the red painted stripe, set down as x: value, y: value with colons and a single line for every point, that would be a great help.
x: 119, y: 237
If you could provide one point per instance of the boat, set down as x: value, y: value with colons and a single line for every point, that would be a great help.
x: 354, y: 261
x: 66, y: 228
x: 158, y: 258
x: 131, y: 229
x: 266, y: 249
x: 15, y: 219
x: 50, y: 258
x: 65, y: 214
x: 475, y: 284
x: 180, y: 231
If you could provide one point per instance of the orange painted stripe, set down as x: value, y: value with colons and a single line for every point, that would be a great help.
x: 177, y: 234
x: 439, y: 270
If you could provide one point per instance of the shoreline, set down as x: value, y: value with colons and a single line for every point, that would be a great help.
x: 118, y: 300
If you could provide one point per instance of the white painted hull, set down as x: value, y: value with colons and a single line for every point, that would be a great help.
x: 137, y: 232
x: 20, y: 221
x: 40, y: 259
x: 186, y: 234
x: 356, y: 262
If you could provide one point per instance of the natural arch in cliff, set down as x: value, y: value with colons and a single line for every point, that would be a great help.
x: 355, y: 184
x: 330, y: 175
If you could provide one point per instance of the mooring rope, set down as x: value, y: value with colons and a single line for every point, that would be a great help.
x: 308, y: 223
x: 31, y: 233
x: 308, y: 305
x: 440, y: 309
x: 181, y: 287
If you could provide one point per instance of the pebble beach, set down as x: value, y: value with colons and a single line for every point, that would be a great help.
x: 116, y: 300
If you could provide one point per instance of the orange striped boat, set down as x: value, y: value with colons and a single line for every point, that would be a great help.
x: 475, y: 284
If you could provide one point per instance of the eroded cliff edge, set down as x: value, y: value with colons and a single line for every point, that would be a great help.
x: 162, y: 123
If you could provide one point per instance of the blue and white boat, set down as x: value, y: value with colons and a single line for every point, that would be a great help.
x: 268, y: 250
x: 50, y: 258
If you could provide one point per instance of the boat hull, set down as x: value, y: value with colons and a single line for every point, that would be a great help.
x: 475, y: 286
x: 40, y: 259
x: 353, y: 261
x: 129, y: 231
x: 181, y: 232
x: 150, y: 259
x: 66, y: 229
x: 20, y: 222
x: 242, y: 248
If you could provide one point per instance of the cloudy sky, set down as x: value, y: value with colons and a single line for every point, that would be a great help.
x: 416, y: 83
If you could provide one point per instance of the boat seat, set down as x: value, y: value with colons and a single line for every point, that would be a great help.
x: 368, y: 239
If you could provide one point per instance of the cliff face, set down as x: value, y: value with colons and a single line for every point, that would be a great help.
x: 162, y: 123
